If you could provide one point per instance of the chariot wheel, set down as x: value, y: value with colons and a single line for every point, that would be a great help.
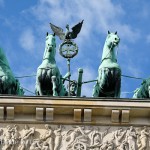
x: 68, y: 49
x: 79, y: 146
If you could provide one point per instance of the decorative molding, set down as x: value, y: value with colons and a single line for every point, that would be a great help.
x: 10, y: 113
x: 115, y: 116
x: 87, y: 115
x: 77, y: 115
x: 125, y: 116
x: 73, y: 137
x: 1, y: 113
x: 49, y: 114
x: 39, y: 114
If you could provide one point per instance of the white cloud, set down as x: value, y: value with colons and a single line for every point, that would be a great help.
x: 99, y: 16
x: 2, y: 3
x: 134, y: 70
x: 127, y: 33
x: 27, y: 40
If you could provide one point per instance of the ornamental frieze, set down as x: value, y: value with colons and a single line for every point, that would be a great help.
x: 73, y: 137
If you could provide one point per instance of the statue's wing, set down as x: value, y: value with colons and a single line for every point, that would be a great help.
x: 76, y: 29
x: 58, y: 31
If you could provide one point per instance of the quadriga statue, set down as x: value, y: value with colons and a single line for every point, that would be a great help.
x: 49, y: 79
x: 109, y: 72
x: 144, y: 90
x: 8, y: 83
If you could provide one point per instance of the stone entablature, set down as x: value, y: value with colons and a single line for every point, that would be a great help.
x: 72, y: 123
x: 73, y: 110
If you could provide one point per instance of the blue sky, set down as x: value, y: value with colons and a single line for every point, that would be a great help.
x: 24, y: 25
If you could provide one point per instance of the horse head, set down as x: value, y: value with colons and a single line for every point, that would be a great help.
x: 112, y: 40
x: 50, y: 47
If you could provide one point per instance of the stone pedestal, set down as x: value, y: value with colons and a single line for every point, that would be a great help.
x: 70, y: 123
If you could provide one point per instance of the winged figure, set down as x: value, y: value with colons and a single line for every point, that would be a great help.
x: 69, y: 34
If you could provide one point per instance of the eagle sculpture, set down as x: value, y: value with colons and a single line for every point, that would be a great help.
x: 69, y: 34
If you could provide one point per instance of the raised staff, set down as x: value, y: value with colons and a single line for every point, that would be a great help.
x: 68, y: 49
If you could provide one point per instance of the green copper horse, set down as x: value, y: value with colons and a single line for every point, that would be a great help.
x: 8, y: 83
x: 109, y: 72
x: 144, y: 90
x: 49, y: 79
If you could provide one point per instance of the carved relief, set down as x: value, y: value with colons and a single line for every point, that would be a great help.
x: 144, y: 138
x: 118, y: 136
x: 27, y: 137
x: 123, y: 146
x: 77, y: 135
x: 47, y: 138
x: 58, y: 138
x: 97, y: 138
x: 131, y: 138
x: 67, y: 137
x: 36, y: 145
x: 1, y: 137
x: 8, y: 142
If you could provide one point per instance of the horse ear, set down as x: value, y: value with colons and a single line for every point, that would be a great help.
x: 108, y: 32
x: 47, y: 34
x: 116, y: 32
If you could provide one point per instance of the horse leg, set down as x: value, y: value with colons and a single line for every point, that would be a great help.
x: 38, y: 83
x: 96, y: 90
x: 118, y: 84
x: 5, y: 84
x: 102, y: 80
x: 97, y: 86
x: 54, y: 86
x: 117, y: 90
x: 149, y: 91
x: 10, y: 88
x: 39, y: 89
x: 1, y: 85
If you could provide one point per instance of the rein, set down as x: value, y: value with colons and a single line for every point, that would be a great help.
x: 107, y: 58
x: 110, y: 49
